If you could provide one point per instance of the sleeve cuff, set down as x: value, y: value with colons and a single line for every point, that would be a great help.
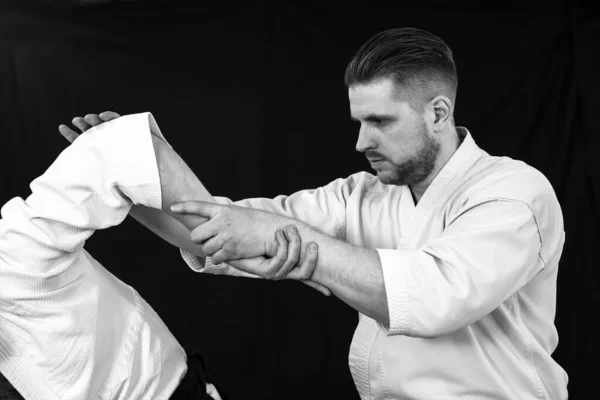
x: 209, y: 267
x: 155, y: 130
x: 399, y: 287
x: 128, y: 141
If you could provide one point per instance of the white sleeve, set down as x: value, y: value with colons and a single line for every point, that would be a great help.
x: 482, y: 257
x: 91, y: 185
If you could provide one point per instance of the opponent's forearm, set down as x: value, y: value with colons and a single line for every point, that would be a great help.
x: 352, y: 273
x: 166, y: 227
x: 178, y: 183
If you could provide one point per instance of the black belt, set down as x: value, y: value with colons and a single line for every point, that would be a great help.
x: 193, y: 384
x: 191, y: 387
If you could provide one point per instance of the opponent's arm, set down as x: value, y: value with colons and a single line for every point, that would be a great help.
x: 178, y: 183
x: 162, y: 224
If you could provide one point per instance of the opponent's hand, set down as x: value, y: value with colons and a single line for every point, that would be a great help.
x: 285, y: 263
x: 83, y: 124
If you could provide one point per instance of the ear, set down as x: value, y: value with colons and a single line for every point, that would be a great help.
x: 442, y: 111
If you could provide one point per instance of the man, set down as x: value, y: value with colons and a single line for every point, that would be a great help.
x: 450, y: 255
x: 69, y: 329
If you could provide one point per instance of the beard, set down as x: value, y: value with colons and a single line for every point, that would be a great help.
x: 417, y: 168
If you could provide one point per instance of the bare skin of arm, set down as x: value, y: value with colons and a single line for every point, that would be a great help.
x: 353, y: 273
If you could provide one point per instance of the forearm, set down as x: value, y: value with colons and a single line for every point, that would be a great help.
x: 351, y: 272
x: 167, y: 228
x: 178, y: 183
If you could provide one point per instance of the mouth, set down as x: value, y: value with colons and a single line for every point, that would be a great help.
x: 375, y: 160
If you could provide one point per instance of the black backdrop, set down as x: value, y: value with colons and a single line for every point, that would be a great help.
x: 253, y: 99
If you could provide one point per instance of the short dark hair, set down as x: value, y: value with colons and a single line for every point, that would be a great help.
x: 411, y: 57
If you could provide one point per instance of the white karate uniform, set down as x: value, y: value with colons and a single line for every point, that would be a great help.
x: 69, y: 329
x: 470, y: 276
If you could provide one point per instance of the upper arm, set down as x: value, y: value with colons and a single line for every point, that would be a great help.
x: 495, y: 242
x: 488, y: 252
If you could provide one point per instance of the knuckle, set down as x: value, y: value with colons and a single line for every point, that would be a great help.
x: 206, y: 250
x: 293, y: 232
x: 224, y: 237
x: 228, y: 249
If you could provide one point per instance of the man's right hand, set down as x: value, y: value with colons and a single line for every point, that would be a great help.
x: 85, y: 123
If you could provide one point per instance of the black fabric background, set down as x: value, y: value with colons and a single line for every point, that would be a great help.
x: 252, y: 97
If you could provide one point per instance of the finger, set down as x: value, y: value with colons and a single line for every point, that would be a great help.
x: 280, y: 258
x: 68, y: 133
x: 93, y: 119
x: 204, y: 232
x: 81, y: 124
x: 219, y: 256
x: 212, y: 245
x: 202, y: 208
x: 309, y: 263
x: 191, y: 221
x: 228, y: 251
x: 318, y: 287
x: 108, y: 115
x: 293, y: 251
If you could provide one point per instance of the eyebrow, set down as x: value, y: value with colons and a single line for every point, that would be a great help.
x: 376, y: 117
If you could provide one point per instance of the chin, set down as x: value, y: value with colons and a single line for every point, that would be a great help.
x: 386, y: 179
x: 389, y: 178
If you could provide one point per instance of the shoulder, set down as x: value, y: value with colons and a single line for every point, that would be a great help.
x: 504, y: 179
x: 361, y: 186
x: 358, y: 180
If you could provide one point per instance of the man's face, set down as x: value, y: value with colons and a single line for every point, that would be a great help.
x: 393, y: 136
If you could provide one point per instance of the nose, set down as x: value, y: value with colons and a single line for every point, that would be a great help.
x: 365, y: 139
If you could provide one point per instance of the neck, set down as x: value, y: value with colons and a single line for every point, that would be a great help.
x: 450, y: 143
